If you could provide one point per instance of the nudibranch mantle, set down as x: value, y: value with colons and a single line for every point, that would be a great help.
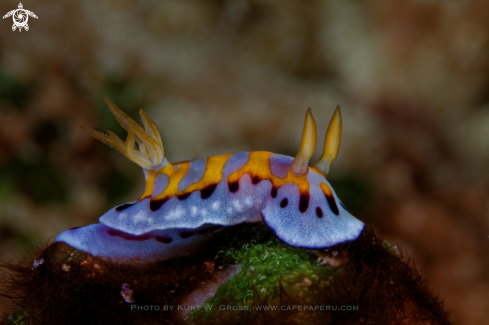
x: 185, y: 202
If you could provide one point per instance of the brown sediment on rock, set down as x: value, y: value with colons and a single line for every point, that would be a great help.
x: 384, y: 284
x: 71, y: 287
x: 375, y: 283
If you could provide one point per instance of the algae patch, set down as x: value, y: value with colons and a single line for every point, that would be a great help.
x: 269, y: 272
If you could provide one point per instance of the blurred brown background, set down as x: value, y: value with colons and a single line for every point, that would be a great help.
x: 221, y: 76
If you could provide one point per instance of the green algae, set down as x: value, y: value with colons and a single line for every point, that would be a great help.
x: 391, y: 248
x: 17, y: 318
x: 269, y: 271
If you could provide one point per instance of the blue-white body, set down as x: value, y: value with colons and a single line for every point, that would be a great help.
x: 185, y: 203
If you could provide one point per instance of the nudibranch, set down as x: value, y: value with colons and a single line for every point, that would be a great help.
x: 186, y: 202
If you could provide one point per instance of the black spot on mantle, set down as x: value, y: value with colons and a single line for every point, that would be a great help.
x: 284, y: 203
x: 332, y: 204
x: 233, y: 187
x: 183, y: 196
x: 123, y: 206
x: 207, y: 191
x: 157, y: 204
x: 319, y: 212
x: 304, y: 202
x: 273, y: 193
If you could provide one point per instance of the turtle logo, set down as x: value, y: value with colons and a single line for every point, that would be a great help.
x: 20, y: 16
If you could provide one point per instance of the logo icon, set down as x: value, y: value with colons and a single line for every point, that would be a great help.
x: 20, y: 17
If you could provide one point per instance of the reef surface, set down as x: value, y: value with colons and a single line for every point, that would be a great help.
x: 242, y: 276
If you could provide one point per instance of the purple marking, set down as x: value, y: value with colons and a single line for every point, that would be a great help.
x: 160, y: 183
x: 126, y: 236
x: 280, y: 165
x: 164, y: 240
x: 195, y: 172
x: 186, y: 234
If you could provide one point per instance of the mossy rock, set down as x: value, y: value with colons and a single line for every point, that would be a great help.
x: 276, y: 284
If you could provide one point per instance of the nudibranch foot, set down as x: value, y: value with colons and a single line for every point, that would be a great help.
x: 100, y: 240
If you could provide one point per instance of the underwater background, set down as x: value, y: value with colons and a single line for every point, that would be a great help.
x: 411, y: 76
